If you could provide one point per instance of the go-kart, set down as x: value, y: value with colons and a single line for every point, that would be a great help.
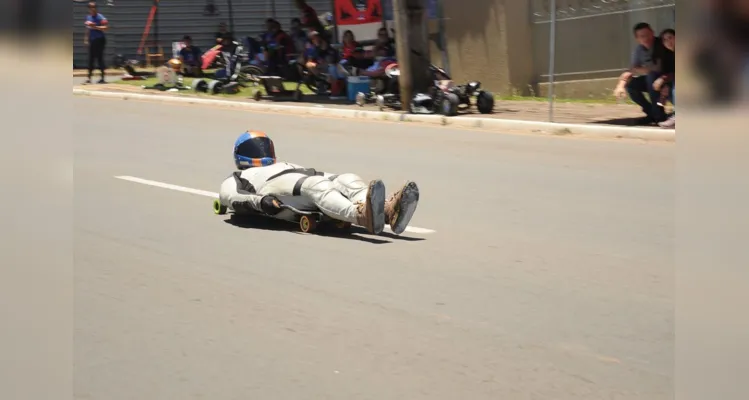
x: 384, y: 91
x: 445, y: 92
x: 443, y: 97
x: 232, y: 74
x: 308, y: 220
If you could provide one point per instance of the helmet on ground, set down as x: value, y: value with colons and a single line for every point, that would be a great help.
x: 175, y: 64
x: 254, y: 149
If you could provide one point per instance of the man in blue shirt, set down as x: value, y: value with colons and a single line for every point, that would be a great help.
x: 96, y: 24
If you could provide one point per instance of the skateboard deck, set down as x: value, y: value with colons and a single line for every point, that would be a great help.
x: 308, y: 220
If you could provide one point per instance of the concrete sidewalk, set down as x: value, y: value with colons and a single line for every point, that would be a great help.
x: 598, y: 120
x: 82, y: 73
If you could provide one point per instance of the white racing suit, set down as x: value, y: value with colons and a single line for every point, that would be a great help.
x: 345, y: 197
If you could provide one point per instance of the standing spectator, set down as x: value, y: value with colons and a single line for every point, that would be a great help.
x: 96, y: 40
x: 225, y: 39
x: 641, y: 75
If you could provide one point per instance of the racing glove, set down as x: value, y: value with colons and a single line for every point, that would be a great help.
x: 270, y: 205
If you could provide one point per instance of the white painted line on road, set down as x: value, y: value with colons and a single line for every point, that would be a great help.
x: 168, y: 186
x: 412, y: 229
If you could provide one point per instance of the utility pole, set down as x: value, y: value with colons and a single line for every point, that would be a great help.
x: 403, y: 52
x: 412, y: 47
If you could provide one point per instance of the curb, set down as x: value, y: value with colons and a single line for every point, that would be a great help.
x: 97, y: 73
x: 489, y: 124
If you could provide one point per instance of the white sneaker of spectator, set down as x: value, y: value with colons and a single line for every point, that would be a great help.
x: 669, y: 123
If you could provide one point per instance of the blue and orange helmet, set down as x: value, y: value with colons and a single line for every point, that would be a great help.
x: 254, y: 149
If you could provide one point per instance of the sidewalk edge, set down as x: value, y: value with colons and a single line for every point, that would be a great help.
x: 489, y: 124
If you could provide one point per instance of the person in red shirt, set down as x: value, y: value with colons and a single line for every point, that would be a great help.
x: 352, y: 53
x: 350, y: 45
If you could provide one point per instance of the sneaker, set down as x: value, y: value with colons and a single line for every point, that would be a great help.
x: 101, y: 81
x: 371, y: 213
x: 669, y: 123
x: 401, y: 206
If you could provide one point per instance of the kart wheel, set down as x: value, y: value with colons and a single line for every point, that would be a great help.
x: 250, y: 73
x: 215, y: 87
x: 361, y: 98
x: 307, y: 224
x: 381, y: 102
x: 200, y: 85
x: 218, y: 208
x: 449, y: 106
x: 257, y: 96
x: 485, y: 102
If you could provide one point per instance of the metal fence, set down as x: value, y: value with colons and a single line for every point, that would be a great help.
x: 590, y: 39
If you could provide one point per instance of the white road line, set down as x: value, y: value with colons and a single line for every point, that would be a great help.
x: 412, y: 229
x: 168, y: 186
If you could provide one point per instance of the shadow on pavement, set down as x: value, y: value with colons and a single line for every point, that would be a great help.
x: 271, y: 224
x: 389, y: 235
x: 620, y: 122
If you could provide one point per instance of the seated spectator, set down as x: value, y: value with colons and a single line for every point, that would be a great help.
x: 350, y: 45
x: 352, y: 53
x: 641, y: 75
x: 665, y: 59
x: 276, y: 46
x: 298, y: 36
x: 385, y: 41
x: 319, y: 58
x: 191, y: 58
x: 382, y: 60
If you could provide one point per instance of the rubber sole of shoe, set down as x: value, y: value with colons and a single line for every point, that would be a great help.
x: 377, y: 204
x: 407, y: 207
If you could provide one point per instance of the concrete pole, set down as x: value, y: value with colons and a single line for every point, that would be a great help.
x: 403, y: 52
x: 552, y: 56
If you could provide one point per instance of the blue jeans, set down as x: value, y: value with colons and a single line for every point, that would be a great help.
x: 672, y: 97
x: 334, y: 72
x: 637, y: 87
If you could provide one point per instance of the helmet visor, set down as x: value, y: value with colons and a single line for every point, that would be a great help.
x: 257, y: 147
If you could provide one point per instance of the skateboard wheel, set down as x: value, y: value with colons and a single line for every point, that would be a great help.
x: 307, y: 224
x: 218, y: 208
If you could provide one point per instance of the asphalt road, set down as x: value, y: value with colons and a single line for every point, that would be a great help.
x: 544, y: 269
